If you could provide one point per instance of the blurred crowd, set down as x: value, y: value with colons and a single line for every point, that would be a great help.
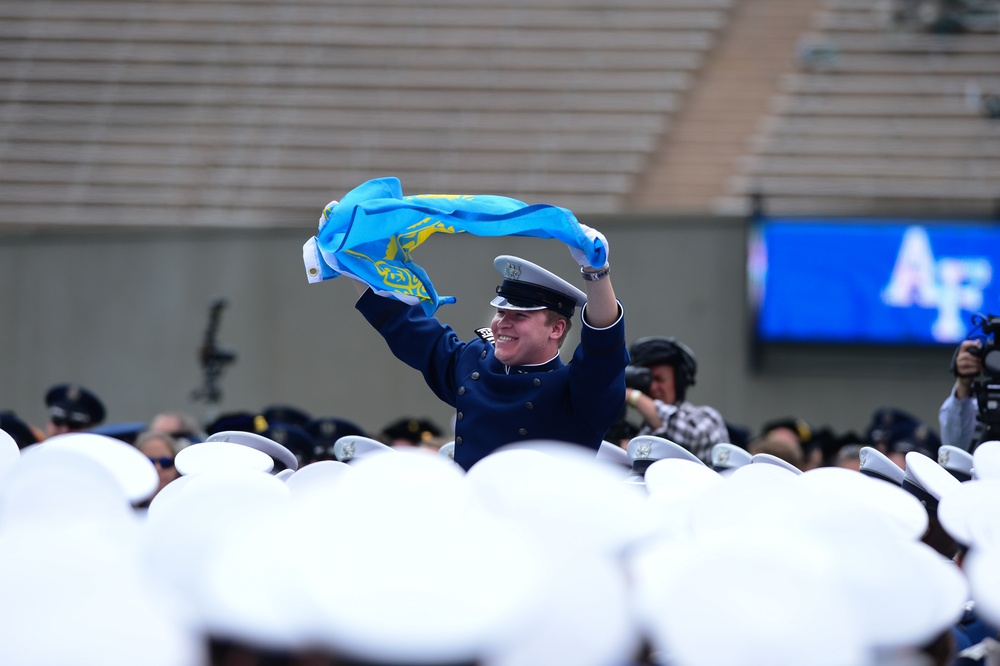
x: 275, y: 537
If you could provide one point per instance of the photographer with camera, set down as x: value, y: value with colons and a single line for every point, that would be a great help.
x: 970, y: 414
x: 662, y: 370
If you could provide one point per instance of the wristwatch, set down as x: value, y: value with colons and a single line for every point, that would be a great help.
x: 598, y: 275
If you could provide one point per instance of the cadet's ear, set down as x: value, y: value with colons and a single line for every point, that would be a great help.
x: 558, y: 327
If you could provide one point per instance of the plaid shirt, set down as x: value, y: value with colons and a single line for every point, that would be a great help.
x: 695, y: 427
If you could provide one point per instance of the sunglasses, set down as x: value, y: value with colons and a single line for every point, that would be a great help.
x: 165, y: 462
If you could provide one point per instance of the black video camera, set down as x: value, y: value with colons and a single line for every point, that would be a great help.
x: 638, y: 377
x: 986, y: 387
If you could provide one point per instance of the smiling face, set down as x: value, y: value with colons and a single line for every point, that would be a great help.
x: 526, y: 337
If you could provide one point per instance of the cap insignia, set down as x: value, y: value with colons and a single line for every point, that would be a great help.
x: 723, y: 457
x: 943, y: 457
x: 73, y: 393
x: 347, y: 452
x: 511, y: 271
x: 643, y: 451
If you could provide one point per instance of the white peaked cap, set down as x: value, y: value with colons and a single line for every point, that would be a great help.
x: 563, y: 494
x: 130, y: 467
x: 354, y: 448
x: 214, y: 457
x: 276, y: 451
x: 769, y: 459
x: 9, y: 451
x: 183, y: 526
x: 385, y: 584
x: 969, y: 514
x: 986, y: 460
x: 319, y: 475
x: 75, y: 598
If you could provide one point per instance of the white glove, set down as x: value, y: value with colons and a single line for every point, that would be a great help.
x: 593, y: 234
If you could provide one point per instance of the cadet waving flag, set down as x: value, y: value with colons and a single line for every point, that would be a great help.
x: 369, y: 235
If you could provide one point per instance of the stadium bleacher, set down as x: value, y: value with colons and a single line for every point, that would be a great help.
x: 882, y: 118
x: 256, y: 113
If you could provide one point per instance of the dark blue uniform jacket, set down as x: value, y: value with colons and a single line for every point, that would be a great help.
x: 572, y: 402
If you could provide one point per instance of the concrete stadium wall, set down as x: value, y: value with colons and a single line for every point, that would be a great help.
x: 124, y: 313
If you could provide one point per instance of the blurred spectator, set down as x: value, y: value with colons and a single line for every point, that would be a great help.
x: 412, y: 432
x: 667, y: 369
x: 161, y: 449
x: 72, y: 408
x: 791, y: 439
x: 22, y: 433
x: 286, y: 414
x: 895, y: 433
x: 325, y: 432
x: 180, y: 425
x: 848, y: 456
x: 786, y: 449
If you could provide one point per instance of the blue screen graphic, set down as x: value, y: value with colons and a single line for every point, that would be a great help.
x: 914, y: 282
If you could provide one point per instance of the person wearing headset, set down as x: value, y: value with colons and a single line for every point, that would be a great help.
x: 662, y: 398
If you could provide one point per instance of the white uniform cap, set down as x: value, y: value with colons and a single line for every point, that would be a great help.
x: 527, y: 286
x: 9, y: 451
x: 883, y: 508
x: 675, y: 486
x: 63, y: 487
x: 768, y: 459
x: 876, y: 464
x: 130, y: 467
x: 583, y: 617
x: 353, y: 448
x: 285, y: 474
x: 646, y: 449
x: 182, y: 527
x: 955, y: 460
x: 77, y: 598
x: 982, y: 566
x: 387, y: 585
x: 564, y: 495
x: 213, y: 457
x: 614, y: 454
x: 679, y: 477
x: 971, y: 511
x: 702, y: 595
x: 278, y: 452
x: 448, y: 450
x: 727, y: 457
x: 927, y: 479
x: 319, y: 474
x: 986, y: 460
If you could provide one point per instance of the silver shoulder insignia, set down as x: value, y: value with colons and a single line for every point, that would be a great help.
x: 486, y: 333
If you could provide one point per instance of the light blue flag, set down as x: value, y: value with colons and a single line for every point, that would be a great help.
x: 370, y: 234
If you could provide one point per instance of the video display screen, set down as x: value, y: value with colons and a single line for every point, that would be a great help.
x: 871, y: 281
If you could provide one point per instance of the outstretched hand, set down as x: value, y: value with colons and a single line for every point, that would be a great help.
x: 580, y: 256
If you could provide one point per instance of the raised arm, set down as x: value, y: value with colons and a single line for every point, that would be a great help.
x: 602, y: 305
